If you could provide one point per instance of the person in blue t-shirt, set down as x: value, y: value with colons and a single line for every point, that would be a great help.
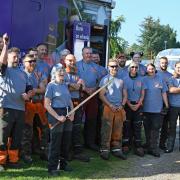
x: 76, y: 86
x: 133, y: 108
x: 58, y: 103
x: 123, y: 69
x: 155, y: 95
x: 91, y: 75
x: 136, y: 57
x: 174, y: 112
x: 13, y: 83
x: 165, y: 75
x: 113, y: 97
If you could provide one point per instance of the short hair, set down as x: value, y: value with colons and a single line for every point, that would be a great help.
x: 28, y: 56
x: 32, y: 49
x: 112, y: 60
x: 132, y: 64
x: 164, y: 57
x: 119, y: 55
x: 151, y: 64
x: 86, y: 48
x: 59, y: 70
x: 178, y: 62
x: 14, y: 49
x: 64, y: 52
x: 41, y: 44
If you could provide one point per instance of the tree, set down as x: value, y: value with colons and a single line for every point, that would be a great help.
x: 117, y: 44
x: 154, y: 36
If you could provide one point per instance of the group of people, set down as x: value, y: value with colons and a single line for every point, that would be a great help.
x: 42, y: 96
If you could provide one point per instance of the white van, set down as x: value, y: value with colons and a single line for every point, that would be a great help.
x: 173, y: 56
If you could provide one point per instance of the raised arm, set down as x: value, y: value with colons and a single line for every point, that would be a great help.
x: 3, y: 55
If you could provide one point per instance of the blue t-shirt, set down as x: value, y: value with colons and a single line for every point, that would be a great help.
x: 122, y: 72
x: 103, y: 71
x: 154, y: 87
x: 165, y: 75
x: 134, y: 87
x: 43, y: 67
x: 89, y: 72
x: 34, y: 79
x: 13, y: 84
x: 58, y: 94
x: 71, y: 78
x: 114, y: 91
x: 174, y: 98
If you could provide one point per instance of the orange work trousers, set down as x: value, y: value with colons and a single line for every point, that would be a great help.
x: 35, y: 108
x: 111, y: 128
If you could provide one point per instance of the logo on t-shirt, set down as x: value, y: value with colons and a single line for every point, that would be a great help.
x: 157, y: 85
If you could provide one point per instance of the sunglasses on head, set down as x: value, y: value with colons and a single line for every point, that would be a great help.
x: 31, y: 61
x: 134, y: 67
x: 115, y: 66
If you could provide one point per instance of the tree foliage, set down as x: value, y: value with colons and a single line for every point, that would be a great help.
x: 117, y: 44
x: 154, y: 37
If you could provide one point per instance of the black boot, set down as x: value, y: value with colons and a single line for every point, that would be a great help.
x: 64, y: 165
x: 170, y: 145
x: 119, y: 154
x: 104, y: 154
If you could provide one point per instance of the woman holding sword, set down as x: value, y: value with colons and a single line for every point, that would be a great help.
x: 58, y: 103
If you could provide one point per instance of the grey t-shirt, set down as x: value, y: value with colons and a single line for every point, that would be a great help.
x: 13, y: 83
x: 114, y: 91
x: 58, y: 94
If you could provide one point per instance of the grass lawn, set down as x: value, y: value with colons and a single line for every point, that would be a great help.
x: 95, y: 169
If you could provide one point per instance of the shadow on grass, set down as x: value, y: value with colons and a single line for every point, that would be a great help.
x: 80, y: 170
x: 134, y: 167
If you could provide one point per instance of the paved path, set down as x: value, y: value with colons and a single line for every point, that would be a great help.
x: 167, y: 167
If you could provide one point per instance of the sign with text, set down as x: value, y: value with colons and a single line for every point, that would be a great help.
x: 81, y: 30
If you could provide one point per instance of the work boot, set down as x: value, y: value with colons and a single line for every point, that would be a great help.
x: 119, y: 154
x: 104, y: 155
x: 154, y: 153
x: 162, y: 146
x: 170, y: 145
x: 27, y: 159
x: 81, y: 157
x: 168, y: 150
x: 139, y: 151
x: 16, y: 165
x: 64, y: 166
x: 125, y: 149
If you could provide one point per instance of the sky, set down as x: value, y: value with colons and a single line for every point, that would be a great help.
x: 134, y: 11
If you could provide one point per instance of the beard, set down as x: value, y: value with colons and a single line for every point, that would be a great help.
x: 122, y: 64
x: 31, y: 68
x: 163, y: 68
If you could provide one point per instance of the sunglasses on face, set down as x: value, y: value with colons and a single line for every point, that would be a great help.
x: 31, y: 61
x: 114, y: 66
x: 134, y: 67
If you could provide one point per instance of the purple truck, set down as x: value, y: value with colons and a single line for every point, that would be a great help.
x: 29, y: 22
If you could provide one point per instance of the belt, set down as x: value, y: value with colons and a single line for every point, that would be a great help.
x: 133, y: 102
x: 36, y: 101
